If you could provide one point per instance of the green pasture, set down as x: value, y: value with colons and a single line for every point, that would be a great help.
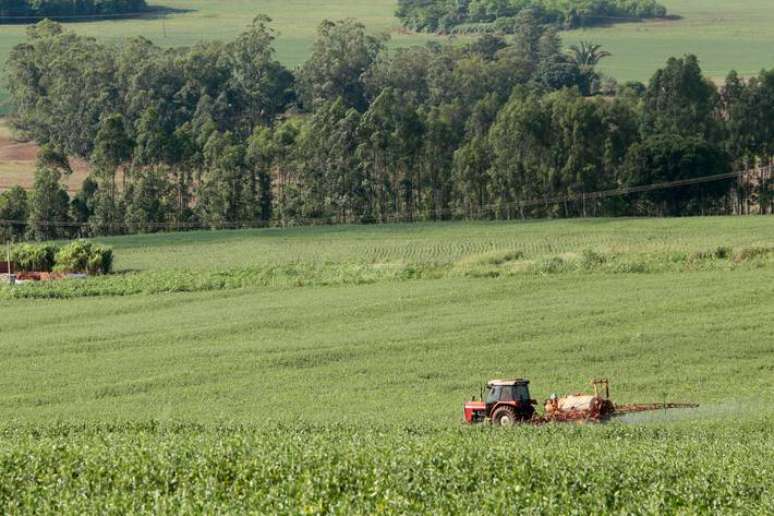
x: 337, y: 386
x: 322, y: 320
x: 433, y: 243
x: 390, y: 352
x: 725, y: 35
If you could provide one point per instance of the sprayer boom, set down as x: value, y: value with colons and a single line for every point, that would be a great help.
x: 621, y: 410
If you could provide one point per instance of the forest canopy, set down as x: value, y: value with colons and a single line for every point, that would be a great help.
x: 15, y: 9
x: 222, y: 135
x: 501, y: 15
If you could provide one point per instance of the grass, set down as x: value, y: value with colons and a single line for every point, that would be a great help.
x: 345, y: 397
x: 725, y: 35
x: 441, y: 243
x: 238, y: 355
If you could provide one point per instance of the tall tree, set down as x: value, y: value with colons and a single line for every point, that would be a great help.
x: 586, y: 56
x: 49, y: 202
x: 14, y: 210
x: 61, y: 84
x: 260, y: 86
x: 261, y: 155
x: 680, y: 101
x: 668, y: 157
x: 150, y: 201
x: 341, y: 55
x: 112, y: 149
x: 225, y: 196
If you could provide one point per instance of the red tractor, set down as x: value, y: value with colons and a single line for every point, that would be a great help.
x: 506, y: 402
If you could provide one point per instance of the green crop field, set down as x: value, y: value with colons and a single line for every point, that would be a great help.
x: 322, y: 370
x: 723, y: 34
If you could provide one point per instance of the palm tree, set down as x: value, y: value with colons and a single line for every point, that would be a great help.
x: 587, y: 55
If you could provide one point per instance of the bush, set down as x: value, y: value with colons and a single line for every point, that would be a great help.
x: 591, y: 259
x: 502, y: 15
x: 750, y: 253
x: 84, y: 256
x: 33, y: 257
x: 551, y: 265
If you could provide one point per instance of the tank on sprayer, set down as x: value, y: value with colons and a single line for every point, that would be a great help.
x: 580, y: 407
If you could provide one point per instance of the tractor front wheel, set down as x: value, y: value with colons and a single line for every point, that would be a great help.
x: 504, y: 416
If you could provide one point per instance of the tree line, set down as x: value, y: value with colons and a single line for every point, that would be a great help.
x: 449, y: 16
x: 11, y: 10
x: 222, y: 135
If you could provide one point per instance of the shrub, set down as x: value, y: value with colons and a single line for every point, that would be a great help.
x: 591, y: 259
x: 749, y: 253
x: 552, y: 265
x: 84, y: 256
x: 33, y: 257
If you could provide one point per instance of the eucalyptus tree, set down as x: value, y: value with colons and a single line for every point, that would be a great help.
x: 60, y: 84
x: 261, y: 155
x: 49, y: 202
x: 473, y: 159
x: 225, y: 197
x: 150, y: 201
x: 668, y: 157
x: 14, y: 211
x: 342, y: 53
x: 112, y: 149
x: 258, y: 86
x: 679, y: 100
x: 748, y: 109
x: 392, y: 132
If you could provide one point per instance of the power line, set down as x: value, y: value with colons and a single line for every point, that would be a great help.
x: 526, y: 203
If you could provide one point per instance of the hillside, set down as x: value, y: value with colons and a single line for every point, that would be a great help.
x: 323, y: 370
x: 656, y: 310
x: 724, y: 35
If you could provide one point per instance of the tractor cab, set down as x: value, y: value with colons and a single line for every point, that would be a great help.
x: 506, y: 402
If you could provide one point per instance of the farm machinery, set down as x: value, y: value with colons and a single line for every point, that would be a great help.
x: 508, y: 402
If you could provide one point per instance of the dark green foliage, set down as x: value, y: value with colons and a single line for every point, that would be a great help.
x: 14, y: 210
x: 49, y: 206
x: 13, y: 11
x: 341, y: 55
x: 499, y: 15
x: 33, y: 257
x: 149, y: 201
x: 672, y: 157
x: 84, y: 257
x: 680, y: 100
x: 220, y: 135
x: 82, y: 205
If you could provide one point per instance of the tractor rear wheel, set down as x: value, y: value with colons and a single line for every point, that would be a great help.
x: 504, y: 416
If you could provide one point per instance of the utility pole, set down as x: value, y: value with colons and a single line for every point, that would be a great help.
x: 10, y: 267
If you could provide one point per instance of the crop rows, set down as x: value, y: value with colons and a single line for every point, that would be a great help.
x: 422, y: 244
x: 172, y: 468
